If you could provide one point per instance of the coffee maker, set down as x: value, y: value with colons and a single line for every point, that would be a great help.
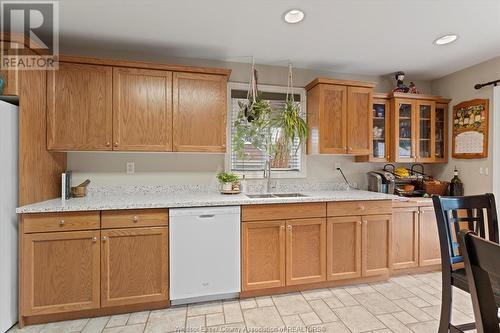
x: 381, y: 181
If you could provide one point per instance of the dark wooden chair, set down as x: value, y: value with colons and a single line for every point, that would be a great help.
x: 476, y: 213
x: 481, y: 258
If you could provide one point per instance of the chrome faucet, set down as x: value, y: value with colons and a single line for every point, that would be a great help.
x: 267, y: 174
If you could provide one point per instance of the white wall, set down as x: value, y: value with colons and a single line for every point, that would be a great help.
x: 175, y: 168
x: 459, y: 87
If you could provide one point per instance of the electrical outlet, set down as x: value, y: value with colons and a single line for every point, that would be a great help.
x: 130, y: 168
x: 486, y: 171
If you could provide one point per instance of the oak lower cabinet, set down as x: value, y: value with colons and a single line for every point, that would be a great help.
x: 405, y: 244
x: 343, y: 248
x: 71, y: 263
x: 60, y: 272
x: 134, y: 266
x: 376, y: 244
x: 305, y: 251
x: 430, y: 253
x: 263, y: 254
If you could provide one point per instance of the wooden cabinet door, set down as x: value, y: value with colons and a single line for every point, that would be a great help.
x: 441, y: 133
x: 142, y: 110
x: 200, y: 112
x: 134, y: 266
x: 262, y: 255
x: 430, y: 253
x: 405, y: 238
x: 332, y: 119
x: 376, y: 244
x: 79, y: 107
x: 60, y: 272
x: 425, y: 133
x: 359, y: 120
x: 305, y: 251
x: 343, y: 243
x: 404, y: 130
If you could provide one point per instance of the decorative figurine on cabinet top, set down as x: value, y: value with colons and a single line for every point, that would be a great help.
x: 401, y: 87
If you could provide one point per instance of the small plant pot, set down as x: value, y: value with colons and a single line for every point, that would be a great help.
x: 227, y: 186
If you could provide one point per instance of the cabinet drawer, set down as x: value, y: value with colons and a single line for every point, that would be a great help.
x: 134, y: 218
x: 60, y: 222
x: 282, y: 211
x: 350, y: 208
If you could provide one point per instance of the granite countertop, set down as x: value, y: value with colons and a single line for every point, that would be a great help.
x: 138, y: 200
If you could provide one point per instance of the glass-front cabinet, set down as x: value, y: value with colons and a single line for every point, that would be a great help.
x: 404, y: 130
x: 381, y: 130
x: 441, y: 133
x: 425, y: 131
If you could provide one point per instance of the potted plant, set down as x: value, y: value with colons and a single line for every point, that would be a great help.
x: 227, y: 179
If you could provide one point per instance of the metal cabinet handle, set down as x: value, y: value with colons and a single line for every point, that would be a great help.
x: 282, y: 227
x: 61, y: 222
x: 289, y: 228
x: 365, y: 221
x: 362, y: 208
x: 135, y: 219
x: 116, y: 144
x: 359, y: 222
x: 94, y: 239
x: 108, y: 144
x: 104, y: 238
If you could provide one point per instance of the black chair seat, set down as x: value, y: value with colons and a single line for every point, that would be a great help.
x: 460, y: 281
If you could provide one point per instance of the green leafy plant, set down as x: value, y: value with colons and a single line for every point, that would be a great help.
x: 291, y: 124
x: 227, y: 177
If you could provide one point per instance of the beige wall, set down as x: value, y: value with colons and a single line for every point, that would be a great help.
x: 170, y: 168
x: 459, y: 87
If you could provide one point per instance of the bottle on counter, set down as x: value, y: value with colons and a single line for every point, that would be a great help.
x: 243, y: 185
x: 456, y: 185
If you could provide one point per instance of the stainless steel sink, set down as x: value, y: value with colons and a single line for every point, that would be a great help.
x: 260, y: 196
x: 275, y: 195
x: 289, y: 195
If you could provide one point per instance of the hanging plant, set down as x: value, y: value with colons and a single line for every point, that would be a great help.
x: 252, y: 124
x: 291, y: 126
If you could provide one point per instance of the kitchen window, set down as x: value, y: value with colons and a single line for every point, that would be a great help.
x: 252, y: 166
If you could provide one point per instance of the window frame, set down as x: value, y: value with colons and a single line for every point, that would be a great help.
x: 275, y: 173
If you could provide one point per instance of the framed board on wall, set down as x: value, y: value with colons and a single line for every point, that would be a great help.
x: 470, y: 129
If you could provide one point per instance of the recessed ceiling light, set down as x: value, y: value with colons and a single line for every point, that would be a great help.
x: 294, y: 16
x: 446, y: 39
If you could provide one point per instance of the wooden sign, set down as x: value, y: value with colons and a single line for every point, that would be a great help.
x: 470, y: 129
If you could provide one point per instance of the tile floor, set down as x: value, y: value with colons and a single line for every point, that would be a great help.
x: 409, y: 303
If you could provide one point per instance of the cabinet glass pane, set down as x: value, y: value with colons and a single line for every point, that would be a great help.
x: 425, y: 131
x: 439, y: 140
x: 379, y: 130
x: 405, y: 134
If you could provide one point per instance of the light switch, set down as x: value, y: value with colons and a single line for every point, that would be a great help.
x: 481, y: 171
x: 486, y: 171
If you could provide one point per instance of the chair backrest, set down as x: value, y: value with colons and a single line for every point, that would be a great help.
x: 482, y: 265
x: 478, y: 212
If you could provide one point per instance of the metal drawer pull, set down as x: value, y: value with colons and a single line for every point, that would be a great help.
x: 135, y: 219
x: 94, y: 239
x: 289, y: 228
x: 61, y: 222
x: 104, y: 238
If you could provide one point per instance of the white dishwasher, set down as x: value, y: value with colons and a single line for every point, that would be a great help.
x: 204, y: 254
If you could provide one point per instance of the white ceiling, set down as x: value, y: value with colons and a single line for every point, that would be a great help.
x: 373, y: 37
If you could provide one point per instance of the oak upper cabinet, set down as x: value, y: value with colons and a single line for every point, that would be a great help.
x: 359, y: 120
x: 142, y: 110
x: 405, y: 238
x: 429, y: 248
x: 343, y: 251
x: 419, y: 128
x: 11, y: 76
x: 376, y: 244
x: 60, y: 272
x: 134, y: 266
x: 199, y: 112
x: 305, y: 251
x: 263, y: 255
x: 79, y: 107
x: 339, y: 117
x: 441, y: 131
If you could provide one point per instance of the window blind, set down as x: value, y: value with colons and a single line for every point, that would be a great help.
x: 255, y: 160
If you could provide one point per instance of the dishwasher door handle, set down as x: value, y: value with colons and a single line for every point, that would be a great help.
x: 207, y: 216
